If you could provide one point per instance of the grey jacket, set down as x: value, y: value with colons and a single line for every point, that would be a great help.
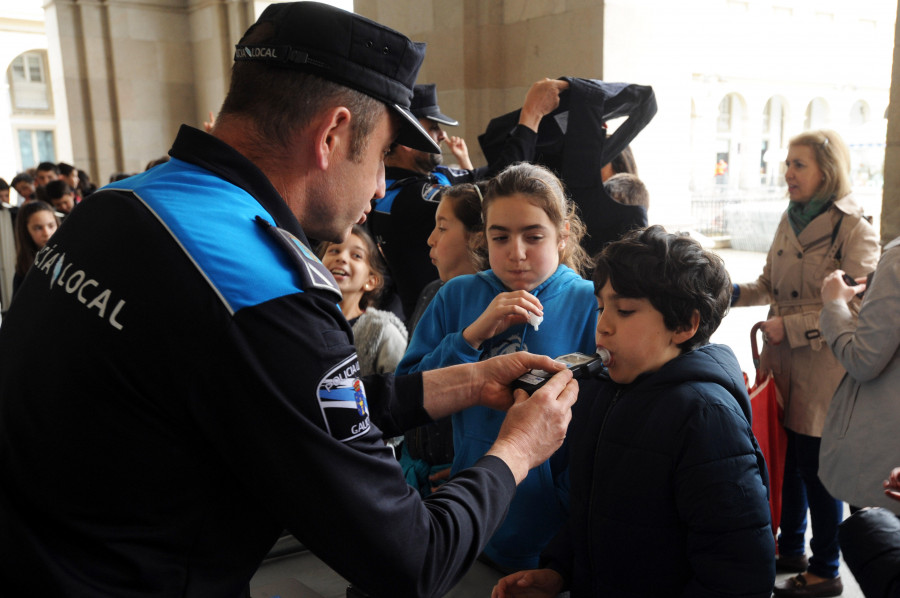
x: 861, y: 440
x: 380, y: 338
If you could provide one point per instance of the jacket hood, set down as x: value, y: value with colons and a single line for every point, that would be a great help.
x: 709, y: 363
x: 558, y: 282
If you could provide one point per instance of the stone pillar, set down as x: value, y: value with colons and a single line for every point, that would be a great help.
x: 890, y: 207
x: 485, y: 54
x: 135, y: 70
x: 216, y: 26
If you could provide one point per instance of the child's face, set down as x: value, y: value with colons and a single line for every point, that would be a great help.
x: 634, y: 333
x: 4, y: 195
x: 65, y: 203
x: 523, y: 243
x: 448, y: 242
x: 348, y: 262
x: 25, y: 189
x: 41, y: 226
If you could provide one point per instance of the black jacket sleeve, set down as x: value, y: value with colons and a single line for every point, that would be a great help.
x: 342, y: 495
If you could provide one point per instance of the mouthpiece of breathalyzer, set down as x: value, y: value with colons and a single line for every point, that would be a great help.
x: 604, y: 356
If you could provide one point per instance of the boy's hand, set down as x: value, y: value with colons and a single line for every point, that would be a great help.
x: 892, y: 485
x: 536, y: 583
x: 507, y: 309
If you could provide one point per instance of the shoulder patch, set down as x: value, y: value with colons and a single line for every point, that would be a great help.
x: 432, y: 192
x: 342, y: 400
x: 312, y: 271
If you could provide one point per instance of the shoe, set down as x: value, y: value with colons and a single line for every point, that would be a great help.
x: 797, y: 586
x: 791, y: 563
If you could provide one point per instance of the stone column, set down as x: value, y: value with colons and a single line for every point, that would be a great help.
x: 890, y: 207
x: 135, y: 70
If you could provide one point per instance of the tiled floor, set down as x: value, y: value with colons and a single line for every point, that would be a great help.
x: 477, y: 583
x: 734, y: 331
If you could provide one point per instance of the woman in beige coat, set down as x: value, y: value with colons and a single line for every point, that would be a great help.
x: 822, y: 230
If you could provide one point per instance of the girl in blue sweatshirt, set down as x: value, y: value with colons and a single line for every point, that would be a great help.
x: 533, y: 299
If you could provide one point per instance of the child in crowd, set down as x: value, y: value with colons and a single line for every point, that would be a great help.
x: 356, y: 265
x: 628, y: 190
x: 428, y: 450
x: 4, y: 192
x: 35, y: 224
x: 532, y: 299
x: 454, y: 242
x: 61, y: 196
x: 669, y: 489
x: 85, y: 186
x: 23, y: 183
x: 69, y: 174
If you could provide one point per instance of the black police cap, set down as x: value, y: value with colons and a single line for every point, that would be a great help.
x: 424, y: 105
x: 348, y: 49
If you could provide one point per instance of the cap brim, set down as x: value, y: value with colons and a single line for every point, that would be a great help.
x: 412, y: 134
x: 443, y: 119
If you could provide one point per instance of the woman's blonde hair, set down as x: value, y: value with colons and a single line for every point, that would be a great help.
x: 833, y: 158
x: 546, y: 191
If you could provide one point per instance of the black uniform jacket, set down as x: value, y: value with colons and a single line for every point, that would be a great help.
x: 208, y: 399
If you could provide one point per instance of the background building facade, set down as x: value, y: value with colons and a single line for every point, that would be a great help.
x: 105, y: 84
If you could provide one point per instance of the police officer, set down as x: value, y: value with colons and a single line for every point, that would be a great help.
x: 402, y: 220
x: 211, y: 395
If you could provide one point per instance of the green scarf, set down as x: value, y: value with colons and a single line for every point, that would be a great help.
x: 801, y: 214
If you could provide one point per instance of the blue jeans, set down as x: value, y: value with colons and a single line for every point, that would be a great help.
x: 801, y: 490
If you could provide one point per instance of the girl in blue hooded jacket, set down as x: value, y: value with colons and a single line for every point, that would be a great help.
x: 532, y: 299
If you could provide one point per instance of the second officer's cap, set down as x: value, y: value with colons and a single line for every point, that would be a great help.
x: 424, y: 105
x: 348, y: 49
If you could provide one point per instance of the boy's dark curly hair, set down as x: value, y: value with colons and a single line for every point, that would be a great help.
x: 674, y: 273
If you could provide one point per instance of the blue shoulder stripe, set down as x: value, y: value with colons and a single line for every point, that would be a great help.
x: 213, y: 221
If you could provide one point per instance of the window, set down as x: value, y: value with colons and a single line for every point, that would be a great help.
x: 859, y: 113
x: 28, y: 86
x: 772, y: 152
x: 35, y: 146
x: 817, y: 116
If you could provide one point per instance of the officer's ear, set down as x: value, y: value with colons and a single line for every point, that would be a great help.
x: 331, y: 132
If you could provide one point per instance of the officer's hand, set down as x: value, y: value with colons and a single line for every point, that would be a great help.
x: 495, y: 375
x: 535, y: 426
x: 505, y: 310
x: 541, y: 99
